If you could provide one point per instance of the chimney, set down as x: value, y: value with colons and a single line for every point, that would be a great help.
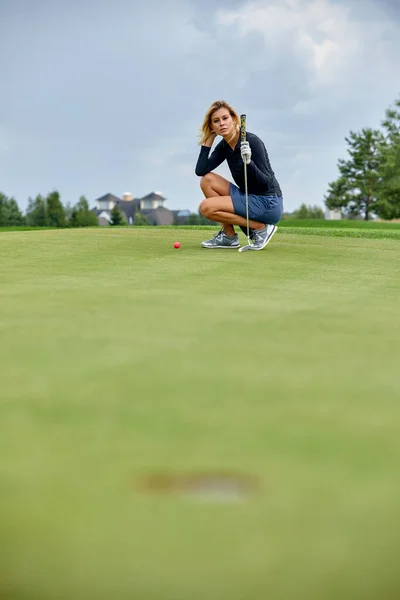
x: 127, y: 196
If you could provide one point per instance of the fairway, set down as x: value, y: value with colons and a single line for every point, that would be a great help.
x: 122, y: 356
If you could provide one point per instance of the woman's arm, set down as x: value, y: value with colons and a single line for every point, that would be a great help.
x: 205, y: 164
x: 258, y: 167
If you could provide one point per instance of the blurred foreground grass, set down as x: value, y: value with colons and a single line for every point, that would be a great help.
x: 122, y: 356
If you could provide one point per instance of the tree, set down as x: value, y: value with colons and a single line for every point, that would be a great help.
x: 309, y: 212
x: 339, y: 197
x: 389, y: 200
x: 357, y: 188
x: 10, y: 215
x: 13, y: 215
x: 81, y: 215
x: 198, y: 219
x: 389, y: 196
x: 116, y: 216
x: 36, y: 213
x: 3, y: 202
x: 68, y: 212
x: 140, y: 219
x: 55, y: 211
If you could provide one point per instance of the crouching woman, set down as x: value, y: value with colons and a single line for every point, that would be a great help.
x: 225, y: 202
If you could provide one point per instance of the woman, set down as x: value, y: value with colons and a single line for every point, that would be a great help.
x: 225, y: 202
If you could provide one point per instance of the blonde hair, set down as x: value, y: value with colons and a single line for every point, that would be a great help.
x: 206, y: 129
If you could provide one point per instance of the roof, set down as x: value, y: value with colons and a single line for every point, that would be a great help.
x: 108, y: 197
x: 103, y: 214
x: 154, y: 196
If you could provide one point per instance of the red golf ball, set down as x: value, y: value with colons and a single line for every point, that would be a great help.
x: 177, y: 245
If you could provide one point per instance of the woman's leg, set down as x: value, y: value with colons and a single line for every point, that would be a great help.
x: 212, y: 186
x: 215, y: 188
x: 221, y: 209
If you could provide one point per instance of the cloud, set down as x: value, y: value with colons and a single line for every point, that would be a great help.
x: 391, y: 6
x: 107, y: 96
x: 324, y: 67
x: 328, y: 41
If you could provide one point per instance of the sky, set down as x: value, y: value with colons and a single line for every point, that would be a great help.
x: 103, y: 96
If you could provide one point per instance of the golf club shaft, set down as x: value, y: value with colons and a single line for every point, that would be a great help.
x: 247, y: 202
x: 243, y: 139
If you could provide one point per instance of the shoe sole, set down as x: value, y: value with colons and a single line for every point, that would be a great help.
x: 219, y: 247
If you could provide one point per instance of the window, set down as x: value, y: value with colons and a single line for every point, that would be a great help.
x: 146, y: 204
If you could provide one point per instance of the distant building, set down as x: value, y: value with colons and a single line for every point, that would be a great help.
x: 333, y: 214
x: 150, y: 206
x: 181, y: 216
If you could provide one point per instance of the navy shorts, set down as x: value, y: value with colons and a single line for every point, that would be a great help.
x: 264, y: 209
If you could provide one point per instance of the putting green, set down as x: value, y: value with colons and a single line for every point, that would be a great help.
x: 123, y: 356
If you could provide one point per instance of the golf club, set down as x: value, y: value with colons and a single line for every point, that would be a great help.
x: 243, y: 139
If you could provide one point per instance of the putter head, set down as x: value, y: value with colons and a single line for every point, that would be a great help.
x: 244, y: 248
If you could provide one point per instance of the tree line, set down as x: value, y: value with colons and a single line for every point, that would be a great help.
x: 46, y: 211
x: 368, y: 184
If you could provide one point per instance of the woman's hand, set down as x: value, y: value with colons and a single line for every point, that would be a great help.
x: 210, y: 140
x: 245, y: 151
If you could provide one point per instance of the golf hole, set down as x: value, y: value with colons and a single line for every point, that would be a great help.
x: 202, y: 487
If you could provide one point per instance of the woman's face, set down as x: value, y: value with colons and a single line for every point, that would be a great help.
x: 222, y: 122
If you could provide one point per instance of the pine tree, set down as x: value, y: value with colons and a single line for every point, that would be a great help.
x: 10, y: 214
x: 82, y: 216
x: 36, y: 213
x: 116, y: 216
x: 389, y: 196
x: 55, y: 210
x: 338, y: 195
x: 3, y: 209
x: 14, y: 216
x: 140, y: 219
x: 357, y: 188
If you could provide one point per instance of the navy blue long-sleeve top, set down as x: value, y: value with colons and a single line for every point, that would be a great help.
x: 261, y: 179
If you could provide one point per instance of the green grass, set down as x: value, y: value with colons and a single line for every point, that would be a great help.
x: 389, y: 234
x: 285, y: 222
x: 340, y: 224
x: 121, y: 355
x: 25, y: 228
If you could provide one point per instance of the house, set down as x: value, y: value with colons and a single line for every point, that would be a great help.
x: 150, y: 206
x: 181, y: 216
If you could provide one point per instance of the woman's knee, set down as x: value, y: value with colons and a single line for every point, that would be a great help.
x: 205, y: 208
x: 206, y: 180
x: 213, y: 184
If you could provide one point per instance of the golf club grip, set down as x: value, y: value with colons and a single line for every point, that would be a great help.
x: 243, y: 128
